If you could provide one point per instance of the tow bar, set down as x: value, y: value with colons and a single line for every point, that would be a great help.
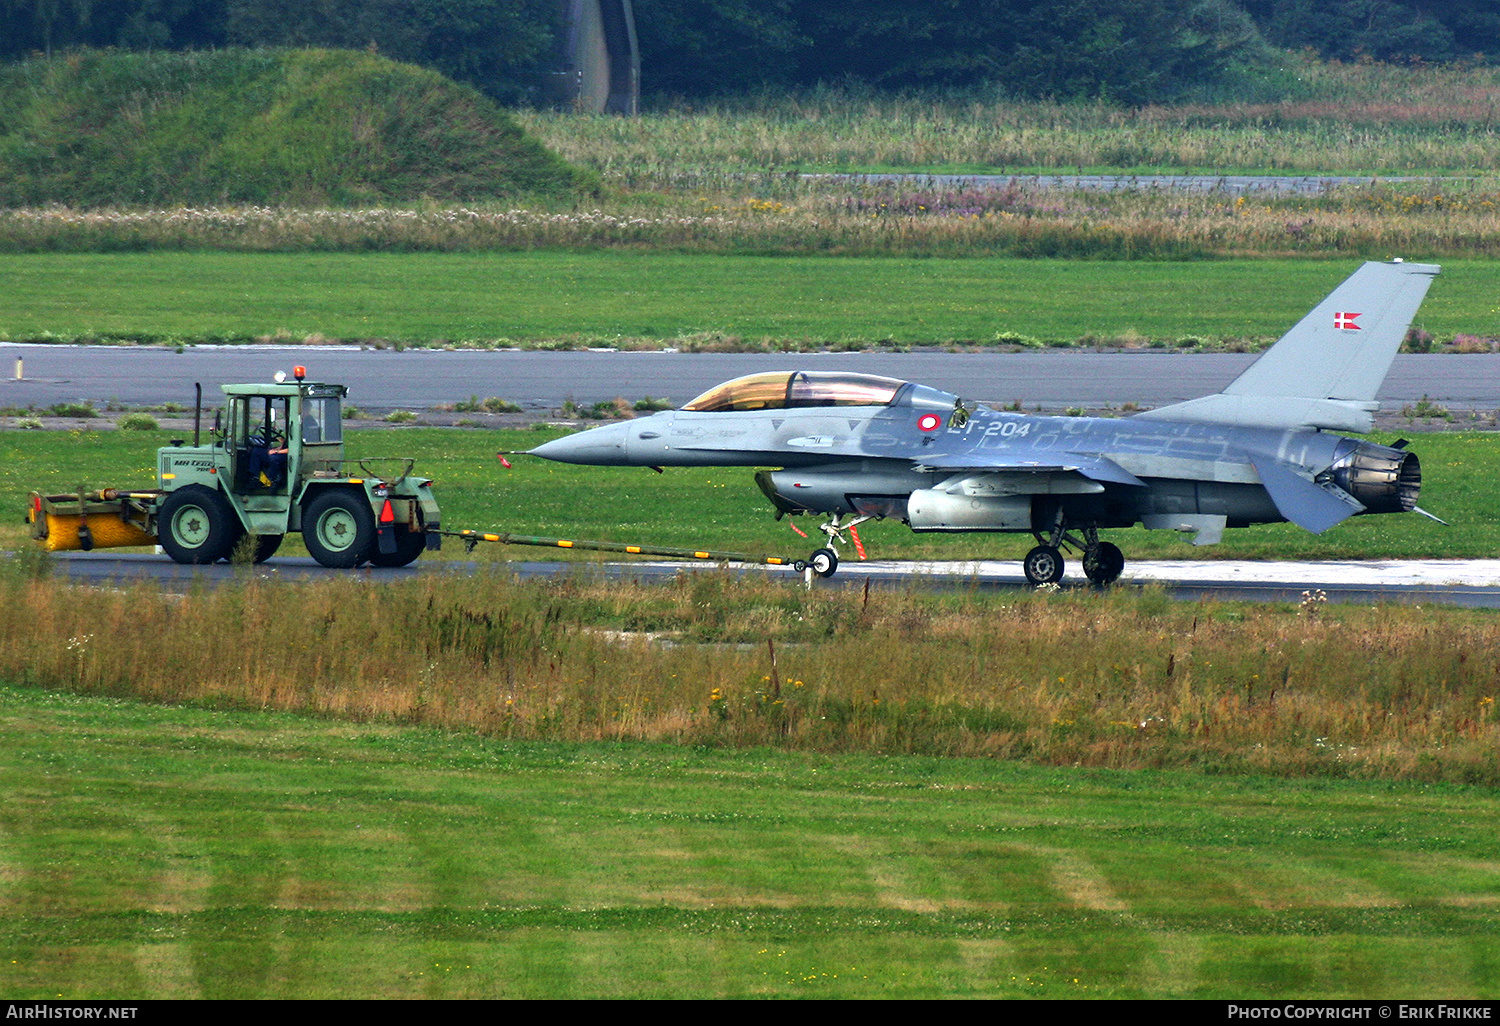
x: 815, y: 563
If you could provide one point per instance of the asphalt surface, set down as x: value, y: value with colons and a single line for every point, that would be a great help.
x: 1467, y: 583
x: 542, y: 381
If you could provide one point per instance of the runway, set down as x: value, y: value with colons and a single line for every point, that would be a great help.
x: 543, y: 381
x: 1469, y: 583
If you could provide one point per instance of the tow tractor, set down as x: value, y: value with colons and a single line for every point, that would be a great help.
x: 275, y: 466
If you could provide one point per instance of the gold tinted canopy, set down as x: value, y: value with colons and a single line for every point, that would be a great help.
x: 782, y: 390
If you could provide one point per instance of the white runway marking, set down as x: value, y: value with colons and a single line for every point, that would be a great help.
x: 1375, y: 573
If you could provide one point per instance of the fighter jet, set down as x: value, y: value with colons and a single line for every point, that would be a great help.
x: 856, y: 447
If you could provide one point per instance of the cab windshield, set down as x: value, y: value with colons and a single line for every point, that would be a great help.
x: 781, y: 390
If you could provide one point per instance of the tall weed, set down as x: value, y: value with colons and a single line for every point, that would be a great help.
x: 1121, y: 680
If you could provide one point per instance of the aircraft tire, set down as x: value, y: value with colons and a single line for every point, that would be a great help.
x: 1105, y: 564
x: 196, y: 526
x: 824, y: 562
x: 1043, y: 565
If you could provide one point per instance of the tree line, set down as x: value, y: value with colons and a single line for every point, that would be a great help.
x: 1126, y: 51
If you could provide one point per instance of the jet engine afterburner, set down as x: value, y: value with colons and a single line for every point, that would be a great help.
x: 1384, y: 479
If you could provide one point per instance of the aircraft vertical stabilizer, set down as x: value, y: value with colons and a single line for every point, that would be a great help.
x: 1325, y: 372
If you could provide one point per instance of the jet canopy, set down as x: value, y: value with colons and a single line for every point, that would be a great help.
x: 784, y: 390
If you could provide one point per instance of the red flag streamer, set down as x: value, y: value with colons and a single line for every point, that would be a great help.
x: 503, y: 461
x: 859, y: 546
x: 794, y: 527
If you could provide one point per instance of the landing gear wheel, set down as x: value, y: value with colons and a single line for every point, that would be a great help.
x: 196, y: 526
x: 409, y: 545
x: 1104, y: 564
x: 1043, y: 565
x: 824, y: 562
x: 338, y: 529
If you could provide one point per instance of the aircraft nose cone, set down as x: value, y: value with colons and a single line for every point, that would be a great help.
x: 596, y: 447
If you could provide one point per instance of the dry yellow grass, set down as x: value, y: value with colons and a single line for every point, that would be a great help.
x: 1121, y: 680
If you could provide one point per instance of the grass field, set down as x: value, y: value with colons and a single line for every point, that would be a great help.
x: 1328, y: 118
x: 161, y: 852
x: 702, y: 299
x: 728, y: 179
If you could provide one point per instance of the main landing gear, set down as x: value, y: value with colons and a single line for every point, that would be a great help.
x: 1102, y: 562
x: 825, y: 561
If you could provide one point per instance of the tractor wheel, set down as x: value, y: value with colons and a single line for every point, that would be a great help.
x: 409, y: 545
x: 266, y: 546
x: 338, y: 529
x: 196, y: 526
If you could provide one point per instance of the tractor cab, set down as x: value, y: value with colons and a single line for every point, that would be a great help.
x: 277, y: 436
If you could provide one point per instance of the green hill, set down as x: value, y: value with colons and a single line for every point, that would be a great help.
x: 103, y: 128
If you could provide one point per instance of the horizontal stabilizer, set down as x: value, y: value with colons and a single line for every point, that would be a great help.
x: 1095, y: 468
x: 1326, y: 371
x: 1305, y: 502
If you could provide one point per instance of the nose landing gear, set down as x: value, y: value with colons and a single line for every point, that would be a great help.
x: 825, y: 561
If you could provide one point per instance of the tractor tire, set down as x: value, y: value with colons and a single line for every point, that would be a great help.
x: 338, y: 529
x: 409, y: 545
x: 266, y: 546
x: 196, y: 526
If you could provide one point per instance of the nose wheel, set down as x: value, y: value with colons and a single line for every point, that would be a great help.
x: 823, y: 562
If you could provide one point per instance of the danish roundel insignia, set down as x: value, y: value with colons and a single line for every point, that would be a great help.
x: 929, y: 422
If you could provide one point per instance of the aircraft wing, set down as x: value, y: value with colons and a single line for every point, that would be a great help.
x: 1093, y: 467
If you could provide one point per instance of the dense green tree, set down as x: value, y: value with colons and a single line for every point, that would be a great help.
x: 1128, y: 50
x: 704, y: 47
x: 32, y: 26
x: 1131, y: 51
x: 1429, y: 30
x: 495, y: 45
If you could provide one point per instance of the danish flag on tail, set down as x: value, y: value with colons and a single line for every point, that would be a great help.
x: 1345, y: 321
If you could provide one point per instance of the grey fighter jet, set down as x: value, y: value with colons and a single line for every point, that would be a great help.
x: 856, y: 447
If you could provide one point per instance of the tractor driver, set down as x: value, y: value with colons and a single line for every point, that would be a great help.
x: 268, y: 452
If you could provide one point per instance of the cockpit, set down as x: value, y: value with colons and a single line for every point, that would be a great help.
x: 786, y: 390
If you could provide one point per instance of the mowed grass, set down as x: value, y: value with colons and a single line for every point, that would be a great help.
x: 722, y: 509
x: 168, y: 852
x: 521, y: 297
